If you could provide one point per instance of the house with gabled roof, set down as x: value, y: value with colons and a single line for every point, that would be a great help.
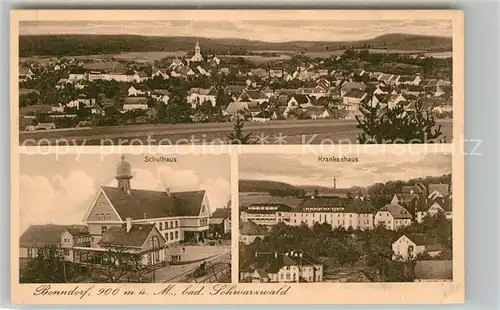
x: 253, y: 95
x: 249, y: 231
x: 290, y: 267
x: 393, y: 217
x: 300, y: 100
x: 25, y: 73
x: 354, y: 97
x: 160, y: 73
x: 408, y: 246
x: 442, y: 205
x: 62, y: 237
x: 220, y: 221
x: 196, y: 96
x: 145, y: 222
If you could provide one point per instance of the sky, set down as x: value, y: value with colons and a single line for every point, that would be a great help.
x: 370, y: 169
x: 60, y: 191
x: 264, y: 30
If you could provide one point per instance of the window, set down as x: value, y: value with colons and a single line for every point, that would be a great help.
x: 150, y: 242
x: 102, y: 216
x: 149, y: 259
x: 30, y: 252
x: 288, y: 276
x: 166, y: 236
x: 171, y: 236
x: 176, y: 235
x: 160, y: 226
x: 281, y: 276
x: 165, y: 225
x: 98, y: 216
x: 104, y: 229
x: 66, y: 252
x: 108, y: 216
x: 171, y: 225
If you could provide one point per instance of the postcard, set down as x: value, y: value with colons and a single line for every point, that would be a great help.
x: 237, y: 157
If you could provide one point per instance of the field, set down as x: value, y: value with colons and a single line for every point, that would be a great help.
x: 149, y: 57
x: 140, y: 57
x: 292, y: 132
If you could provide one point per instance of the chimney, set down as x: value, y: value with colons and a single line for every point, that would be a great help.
x: 167, y: 191
x: 129, y: 223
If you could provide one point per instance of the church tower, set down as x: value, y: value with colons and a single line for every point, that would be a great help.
x: 197, y: 50
x: 197, y: 53
x: 123, y: 175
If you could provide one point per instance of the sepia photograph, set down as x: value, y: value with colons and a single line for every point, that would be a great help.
x: 267, y: 81
x: 348, y: 218
x: 124, y: 219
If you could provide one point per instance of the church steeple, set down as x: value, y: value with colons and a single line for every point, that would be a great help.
x: 123, y: 175
x: 197, y: 49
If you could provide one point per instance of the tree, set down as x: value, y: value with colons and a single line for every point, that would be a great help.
x: 384, y: 125
x: 237, y: 136
x: 117, y: 264
x: 49, y: 267
x: 178, y: 109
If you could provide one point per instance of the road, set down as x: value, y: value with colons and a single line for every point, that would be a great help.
x: 181, y: 273
x: 274, y: 132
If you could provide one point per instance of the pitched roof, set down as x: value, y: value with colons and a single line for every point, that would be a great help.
x: 321, y: 202
x: 118, y: 236
x: 272, y: 262
x: 406, y: 78
x: 236, y: 106
x: 135, y: 100
x: 202, y: 91
x: 221, y: 213
x: 316, y: 109
x: 349, y: 86
x: 421, y: 239
x: 140, y: 204
x: 434, y: 270
x: 407, y: 198
x: 250, y: 228
x: 445, y: 204
x: 301, y: 98
x: 443, y: 189
x: 359, y: 206
x: 417, y: 188
x: 49, y: 234
x: 397, y: 211
x: 253, y: 94
x: 383, y: 98
x: 355, y: 93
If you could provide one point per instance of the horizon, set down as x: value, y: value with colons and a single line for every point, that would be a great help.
x: 368, y: 170
x: 337, y: 188
x: 278, y: 31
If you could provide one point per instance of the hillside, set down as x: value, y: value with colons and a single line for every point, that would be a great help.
x: 65, y: 45
x: 263, y: 186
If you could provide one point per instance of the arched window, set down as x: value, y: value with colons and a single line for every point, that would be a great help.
x: 176, y: 224
x: 160, y: 226
x: 98, y: 216
x: 108, y: 216
x: 102, y: 216
x: 171, y: 236
x: 171, y: 224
